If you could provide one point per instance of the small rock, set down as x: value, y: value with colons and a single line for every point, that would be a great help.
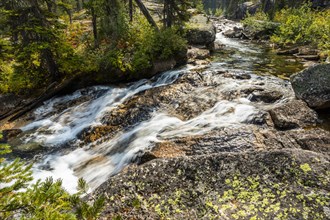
x: 328, y: 59
x: 309, y: 63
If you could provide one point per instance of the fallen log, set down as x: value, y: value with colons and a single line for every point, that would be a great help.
x: 50, y: 92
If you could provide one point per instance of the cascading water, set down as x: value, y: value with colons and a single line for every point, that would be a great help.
x: 56, y: 124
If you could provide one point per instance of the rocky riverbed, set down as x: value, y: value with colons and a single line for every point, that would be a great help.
x: 221, y: 139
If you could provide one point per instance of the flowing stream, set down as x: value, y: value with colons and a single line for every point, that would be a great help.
x: 59, y: 123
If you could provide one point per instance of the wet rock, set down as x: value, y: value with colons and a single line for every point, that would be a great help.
x: 134, y: 110
x: 229, y: 139
x: 265, y: 96
x: 98, y: 132
x: 190, y: 187
x: 201, y: 31
x: 29, y: 147
x: 292, y: 115
x: 223, y: 140
x: 236, y: 32
x: 313, y: 86
x: 27, y: 150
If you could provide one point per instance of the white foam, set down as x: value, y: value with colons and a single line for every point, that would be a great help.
x: 95, y: 164
x: 62, y: 127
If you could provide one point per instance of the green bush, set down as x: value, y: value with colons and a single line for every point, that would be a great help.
x: 295, y: 25
x: 142, y: 46
x: 302, y: 26
x: 260, y: 21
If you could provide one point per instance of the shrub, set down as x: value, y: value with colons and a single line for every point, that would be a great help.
x: 258, y: 22
x: 295, y: 25
x: 142, y: 46
x: 301, y: 26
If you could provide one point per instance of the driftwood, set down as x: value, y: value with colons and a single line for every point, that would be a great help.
x: 51, y: 91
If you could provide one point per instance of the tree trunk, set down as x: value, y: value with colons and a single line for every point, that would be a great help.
x: 168, y: 13
x: 130, y: 10
x: 69, y: 13
x: 94, y: 17
x: 165, y: 11
x: 52, y: 67
x: 146, y: 14
x: 52, y: 90
x: 46, y: 54
x: 79, y: 6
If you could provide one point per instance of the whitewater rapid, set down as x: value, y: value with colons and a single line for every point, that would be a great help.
x: 55, y: 125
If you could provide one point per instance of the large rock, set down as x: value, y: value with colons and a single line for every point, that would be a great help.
x: 265, y: 185
x: 201, y: 31
x: 313, y: 86
x: 293, y: 115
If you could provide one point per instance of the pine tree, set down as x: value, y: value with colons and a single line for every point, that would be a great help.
x: 175, y: 12
x: 44, y: 200
x: 37, y: 35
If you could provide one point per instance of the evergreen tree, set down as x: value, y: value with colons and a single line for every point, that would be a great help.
x: 175, y: 12
x: 43, y: 200
x: 39, y: 49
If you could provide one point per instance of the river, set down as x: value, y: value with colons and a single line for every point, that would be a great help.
x: 185, y: 102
